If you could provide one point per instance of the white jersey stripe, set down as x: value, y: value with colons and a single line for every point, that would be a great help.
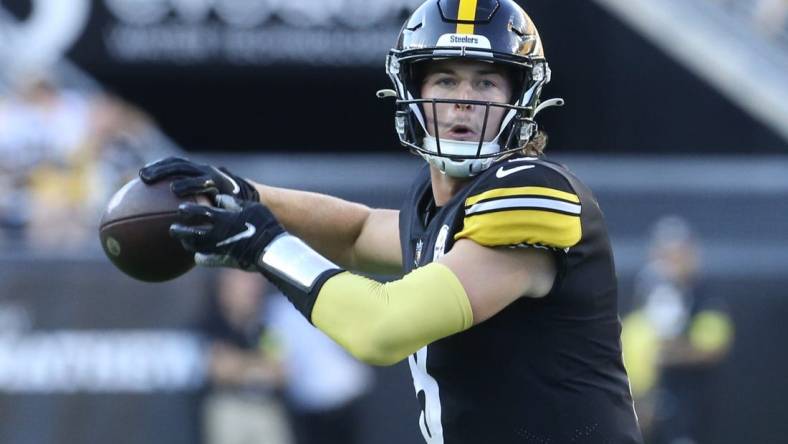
x: 523, y: 202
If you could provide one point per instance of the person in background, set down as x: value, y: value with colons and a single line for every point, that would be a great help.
x: 62, y: 152
x: 41, y: 127
x: 673, y: 336
x: 242, y: 405
x: 325, y: 409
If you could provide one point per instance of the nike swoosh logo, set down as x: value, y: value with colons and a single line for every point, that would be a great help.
x: 501, y: 173
x: 247, y: 233
x: 236, y: 188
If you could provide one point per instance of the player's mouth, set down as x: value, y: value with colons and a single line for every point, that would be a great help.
x: 461, y: 132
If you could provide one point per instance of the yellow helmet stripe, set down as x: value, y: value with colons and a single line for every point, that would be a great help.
x: 467, y: 12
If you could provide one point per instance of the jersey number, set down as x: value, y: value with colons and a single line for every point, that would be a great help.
x: 429, y: 400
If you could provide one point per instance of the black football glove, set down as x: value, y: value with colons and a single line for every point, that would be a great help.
x: 191, y: 178
x: 232, y: 236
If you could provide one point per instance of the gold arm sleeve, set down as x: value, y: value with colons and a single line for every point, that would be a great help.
x: 383, y: 323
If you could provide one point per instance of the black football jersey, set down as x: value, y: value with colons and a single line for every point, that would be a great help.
x: 546, y: 370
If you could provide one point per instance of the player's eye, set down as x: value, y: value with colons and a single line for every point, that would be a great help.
x: 445, y: 81
x: 487, y: 84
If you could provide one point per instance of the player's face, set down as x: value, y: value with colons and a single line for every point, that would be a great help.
x: 465, y: 80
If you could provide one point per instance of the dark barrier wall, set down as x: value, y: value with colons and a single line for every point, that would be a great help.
x: 89, y: 356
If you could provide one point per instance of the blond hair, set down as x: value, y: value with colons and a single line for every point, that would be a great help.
x: 536, y: 146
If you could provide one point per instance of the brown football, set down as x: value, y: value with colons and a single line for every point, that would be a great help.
x: 134, y: 232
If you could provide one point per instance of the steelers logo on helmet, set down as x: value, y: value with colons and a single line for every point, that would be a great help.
x: 498, y: 32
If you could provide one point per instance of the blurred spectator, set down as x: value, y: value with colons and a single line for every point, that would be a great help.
x: 63, y: 152
x: 245, y: 374
x: 674, y: 335
x: 326, y: 409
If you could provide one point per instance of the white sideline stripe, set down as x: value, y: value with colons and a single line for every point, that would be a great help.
x: 520, y: 202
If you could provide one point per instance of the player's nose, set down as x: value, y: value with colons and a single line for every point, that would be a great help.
x: 465, y: 91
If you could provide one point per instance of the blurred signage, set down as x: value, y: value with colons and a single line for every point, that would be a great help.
x: 144, y: 361
x: 48, y: 348
x: 242, y: 33
x: 193, y: 32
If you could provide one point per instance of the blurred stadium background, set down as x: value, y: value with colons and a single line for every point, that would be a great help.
x: 674, y: 107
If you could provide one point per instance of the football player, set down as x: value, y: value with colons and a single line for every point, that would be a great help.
x: 507, y: 310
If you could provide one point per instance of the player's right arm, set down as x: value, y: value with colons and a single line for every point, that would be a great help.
x: 352, y: 235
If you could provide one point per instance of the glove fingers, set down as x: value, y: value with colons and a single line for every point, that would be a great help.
x: 190, y: 236
x: 194, y: 185
x: 180, y: 231
x: 194, y: 214
x: 149, y: 174
x: 169, y: 167
x: 164, y: 161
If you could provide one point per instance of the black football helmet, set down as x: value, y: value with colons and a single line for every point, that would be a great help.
x: 495, y: 31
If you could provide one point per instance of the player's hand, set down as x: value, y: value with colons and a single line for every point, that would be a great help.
x: 232, y: 236
x: 192, y: 178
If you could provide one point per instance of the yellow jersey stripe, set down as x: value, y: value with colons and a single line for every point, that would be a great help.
x: 515, y: 227
x: 467, y: 11
x: 522, y: 191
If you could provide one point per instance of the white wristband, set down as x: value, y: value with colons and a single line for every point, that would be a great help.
x: 292, y: 259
